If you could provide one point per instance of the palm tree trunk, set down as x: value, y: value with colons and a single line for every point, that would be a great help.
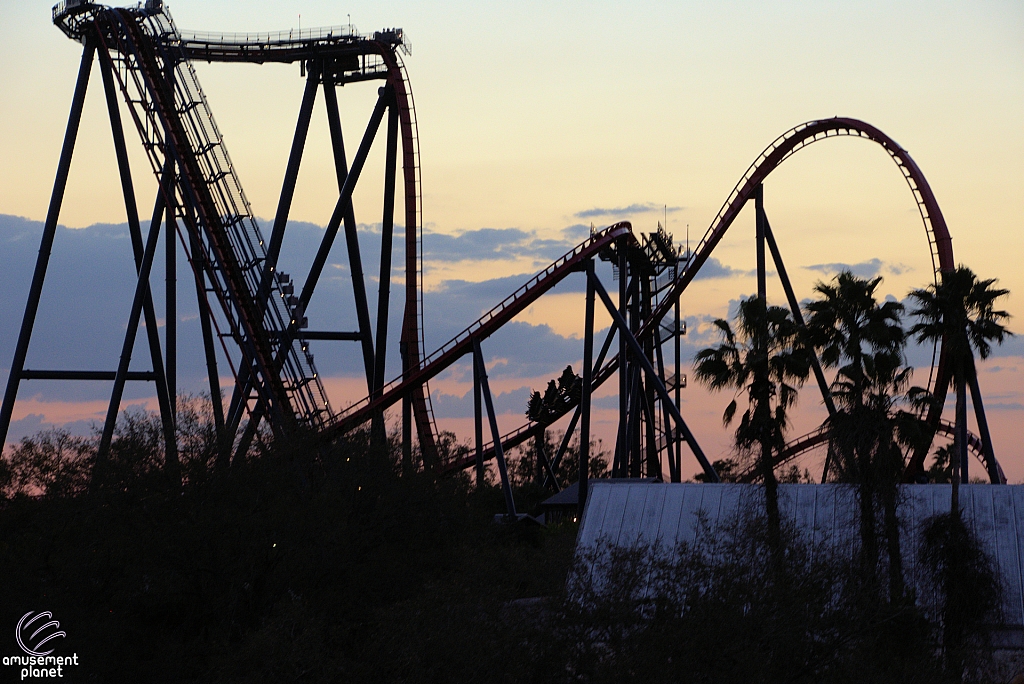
x: 868, y: 532
x: 771, y: 500
x: 959, y: 465
x: 892, y: 536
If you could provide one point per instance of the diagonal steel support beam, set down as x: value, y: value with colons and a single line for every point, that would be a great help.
x: 543, y: 463
x: 995, y: 474
x: 46, y: 243
x: 506, y: 485
x: 588, y: 381
x: 141, y: 288
x: 794, y: 305
x: 355, y: 260
x: 567, y: 437
x: 164, y: 393
x: 291, y: 174
x: 385, y: 96
x: 652, y: 377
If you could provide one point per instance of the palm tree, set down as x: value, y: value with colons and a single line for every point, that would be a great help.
x: 864, y: 341
x: 960, y: 311
x: 766, y: 358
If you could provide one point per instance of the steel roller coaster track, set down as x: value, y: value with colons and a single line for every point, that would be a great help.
x: 249, y: 302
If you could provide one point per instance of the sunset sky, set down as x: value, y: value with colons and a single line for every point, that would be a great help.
x: 537, y: 119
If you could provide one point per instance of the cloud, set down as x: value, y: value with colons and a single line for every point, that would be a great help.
x: 1005, y: 406
x: 34, y: 423
x: 500, y: 244
x: 713, y: 268
x: 1013, y: 346
x: 576, y: 233
x: 455, y: 406
x: 865, y: 269
x: 623, y: 211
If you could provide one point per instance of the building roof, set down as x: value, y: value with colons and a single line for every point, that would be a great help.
x: 625, y: 514
x: 570, y: 495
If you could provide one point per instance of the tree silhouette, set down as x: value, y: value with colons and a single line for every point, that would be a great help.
x: 864, y: 341
x: 765, y: 358
x: 960, y: 311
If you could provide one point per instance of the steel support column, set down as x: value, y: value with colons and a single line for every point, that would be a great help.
x: 794, y: 305
x: 165, y: 397
x: 567, y: 437
x: 587, y: 382
x: 355, y: 261
x: 762, y: 285
x: 652, y: 377
x: 478, y: 425
x: 677, y: 443
x: 141, y: 287
x: 46, y: 243
x: 506, y: 485
x: 619, y: 457
x: 634, y: 438
x: 384, y: 282
x: 171, y: 298
x: 651, y: 447
x: 223, y: 458
x: 387, y: 244
x: 171, y: 283
x: 673, y: 472
x: 994, y: 475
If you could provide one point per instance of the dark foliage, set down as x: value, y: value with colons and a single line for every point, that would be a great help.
x: 709, y: 612
x: 970, y: 590
x: 321, y: 563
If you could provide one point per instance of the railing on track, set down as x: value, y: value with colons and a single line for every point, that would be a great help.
x: 471, y: 330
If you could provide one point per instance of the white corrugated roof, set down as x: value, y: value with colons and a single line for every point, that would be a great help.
x: 625, y: 514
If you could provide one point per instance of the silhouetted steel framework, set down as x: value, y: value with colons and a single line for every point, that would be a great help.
x: 245, y: 299
x: 242, y: 295
x: 635, y: 408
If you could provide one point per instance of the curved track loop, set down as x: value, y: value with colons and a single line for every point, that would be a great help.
x: 939, y: 241
x: 793, y: 140
x: 412, y: 326
x: 782, y: 148
x: 483, y: 328
x: 816, y: 438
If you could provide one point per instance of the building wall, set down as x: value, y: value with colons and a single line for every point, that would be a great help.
x: 826, y: 515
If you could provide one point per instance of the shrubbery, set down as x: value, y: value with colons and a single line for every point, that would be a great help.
x: 323, y: 563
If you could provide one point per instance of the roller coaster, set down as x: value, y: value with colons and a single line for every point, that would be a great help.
x: 256, y: 314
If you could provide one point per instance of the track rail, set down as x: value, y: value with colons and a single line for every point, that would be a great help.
x: 358, y: 57
x: 781, y: 149
x: 481, y: 329
x: 175, y: 122
x: 152, y: 47
x: 819, y: 437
